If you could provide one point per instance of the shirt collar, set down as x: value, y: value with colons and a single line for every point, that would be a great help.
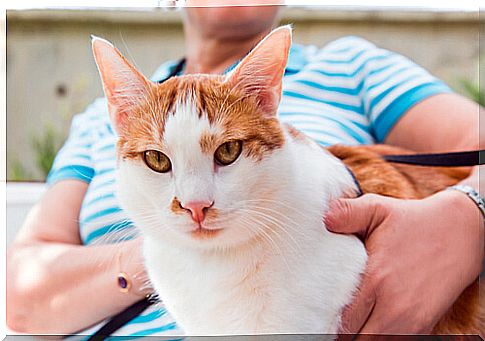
x: 296, y: 59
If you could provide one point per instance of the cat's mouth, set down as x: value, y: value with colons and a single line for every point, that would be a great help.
x: 204, y: 233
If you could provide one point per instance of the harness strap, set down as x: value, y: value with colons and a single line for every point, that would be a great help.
x: 120, y: 319
x: 360, y: 192
x: 456, y: 159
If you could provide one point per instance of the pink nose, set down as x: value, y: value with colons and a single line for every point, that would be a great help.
x: 198, y: 209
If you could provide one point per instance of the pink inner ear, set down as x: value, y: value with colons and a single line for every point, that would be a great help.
x: 261, y: 72
x: 123, y: 85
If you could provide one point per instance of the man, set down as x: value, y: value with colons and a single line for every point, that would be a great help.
x: 422, y: 253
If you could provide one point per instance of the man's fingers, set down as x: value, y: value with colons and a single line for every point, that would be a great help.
x: 356, y: 216
x: 355, y: 315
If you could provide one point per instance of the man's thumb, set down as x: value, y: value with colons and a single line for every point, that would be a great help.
x: 356, y: 216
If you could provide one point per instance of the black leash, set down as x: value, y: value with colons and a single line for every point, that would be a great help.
x: 120, y: 319
x: 456, y: 159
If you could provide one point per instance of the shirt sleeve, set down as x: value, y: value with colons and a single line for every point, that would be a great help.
x: 73, y: 161
x: 390, y: 85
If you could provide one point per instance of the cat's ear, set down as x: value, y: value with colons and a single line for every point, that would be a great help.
x: 260, y: 73
x: 123, y: 85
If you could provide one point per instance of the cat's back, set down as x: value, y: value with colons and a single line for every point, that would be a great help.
x: 375, y: 175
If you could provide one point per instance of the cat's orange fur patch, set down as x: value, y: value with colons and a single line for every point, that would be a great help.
x: 145, y: 124
x: 176, y: 207
x: 375, y: 175
x: 239, y: 117
x: 209, y: 142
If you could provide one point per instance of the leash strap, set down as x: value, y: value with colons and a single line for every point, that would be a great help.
x: 456, y: 159
x: 356, y: 182
x: 122, y: 318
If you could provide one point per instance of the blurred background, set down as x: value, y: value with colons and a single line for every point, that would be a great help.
x: 51, y: 73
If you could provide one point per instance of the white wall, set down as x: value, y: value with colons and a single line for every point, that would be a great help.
x: 51, y: 74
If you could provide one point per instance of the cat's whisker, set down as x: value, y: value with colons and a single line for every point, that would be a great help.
x: 265, y: 228
x: 128, y: 50
x: 249, y: 225
x: 276, y: 203
x: 277, y: 228
x: 273, y: 244
x: 280, y: 214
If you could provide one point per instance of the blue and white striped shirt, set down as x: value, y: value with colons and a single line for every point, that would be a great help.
x: 349, y: 92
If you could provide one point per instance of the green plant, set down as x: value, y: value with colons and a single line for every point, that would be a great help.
x: 472, y: 90
x: 45, y: 147
x: 18, y: 172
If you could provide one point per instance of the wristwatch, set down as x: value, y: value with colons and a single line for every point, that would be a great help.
x: 472, y: 194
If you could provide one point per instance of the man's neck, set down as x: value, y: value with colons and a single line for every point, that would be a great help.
x: 205, y: 55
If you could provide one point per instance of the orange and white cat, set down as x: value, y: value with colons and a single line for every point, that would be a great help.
x: 229, y: 200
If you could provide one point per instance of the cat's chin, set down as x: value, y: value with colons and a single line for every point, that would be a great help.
x: 207, y: 239
x: 204, y: 233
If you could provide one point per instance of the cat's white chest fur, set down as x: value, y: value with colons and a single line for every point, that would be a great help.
x: 295, y: 281
x: 274, y: 294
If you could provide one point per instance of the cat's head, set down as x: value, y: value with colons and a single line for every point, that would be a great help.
x: 200, y: 156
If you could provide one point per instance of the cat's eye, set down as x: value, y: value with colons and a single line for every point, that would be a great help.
x: 228, y: 152
x: 157, y: 161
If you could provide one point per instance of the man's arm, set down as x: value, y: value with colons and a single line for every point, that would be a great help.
x: 55, y: 285
x: 441, y: 123
x: 422, y: 253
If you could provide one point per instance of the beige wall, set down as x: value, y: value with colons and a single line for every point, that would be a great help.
x: 51, y: 74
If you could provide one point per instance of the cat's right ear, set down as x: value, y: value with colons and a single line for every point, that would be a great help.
x: 260, y: 73
x: 123, y: 85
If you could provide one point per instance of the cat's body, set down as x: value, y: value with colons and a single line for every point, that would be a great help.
x: 231, y: 202
x: 294, y: 279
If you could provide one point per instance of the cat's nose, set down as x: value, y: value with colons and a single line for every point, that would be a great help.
x: 198, y: 209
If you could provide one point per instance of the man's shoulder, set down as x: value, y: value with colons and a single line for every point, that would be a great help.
x: 94, y: 118
x: 341, y: 50
x: 348, y: 42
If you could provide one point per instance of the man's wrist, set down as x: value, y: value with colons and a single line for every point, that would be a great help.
x: 460, y: 203
x: 472, y: 194
x: 131, y: 275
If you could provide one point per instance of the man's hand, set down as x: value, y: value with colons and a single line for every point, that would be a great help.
x: 422, y: 255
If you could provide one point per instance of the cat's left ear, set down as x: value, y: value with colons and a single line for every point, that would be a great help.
x: 123, y: 85
x: 260, y: 73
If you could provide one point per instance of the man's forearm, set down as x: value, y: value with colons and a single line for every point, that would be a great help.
x: 40, y: 299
